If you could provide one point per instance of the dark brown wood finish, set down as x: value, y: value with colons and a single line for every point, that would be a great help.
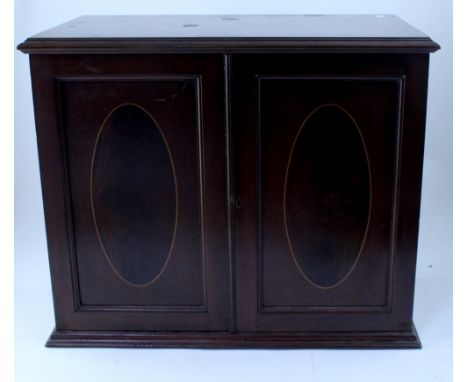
x: 76, y: 98
x: 239, y: 340
x: 231, y: 181
x: 278, y: 96
x: 233, y: 33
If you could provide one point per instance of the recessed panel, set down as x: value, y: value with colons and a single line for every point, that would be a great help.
x: 133, y: 195
x: 326, y: 178
x: 327, y: 196
x: 135, y: 192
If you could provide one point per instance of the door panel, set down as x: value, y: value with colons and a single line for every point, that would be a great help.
x: 328, y: 233
x: 135, y: 190
x: 320, y: 142
x: 146, y: 206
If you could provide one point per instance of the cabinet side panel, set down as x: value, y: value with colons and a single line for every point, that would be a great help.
x: 54, y: 188
x: 412, y: 154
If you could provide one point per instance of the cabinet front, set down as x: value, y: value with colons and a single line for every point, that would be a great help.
x: 317, y: 169
x: 145, y: 206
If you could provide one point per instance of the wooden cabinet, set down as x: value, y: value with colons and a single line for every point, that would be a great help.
x: 215, y: 181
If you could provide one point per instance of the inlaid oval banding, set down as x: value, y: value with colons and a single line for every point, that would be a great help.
x: 133, y: 192
x: 327, y: 196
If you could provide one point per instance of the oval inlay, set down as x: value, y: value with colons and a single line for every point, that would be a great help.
x: 134, y: 195
x: 327, y: 196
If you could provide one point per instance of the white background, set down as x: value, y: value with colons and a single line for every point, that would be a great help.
x: 433, y: 302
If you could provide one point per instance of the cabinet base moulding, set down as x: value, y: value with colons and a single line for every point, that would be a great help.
x: 225, y: 340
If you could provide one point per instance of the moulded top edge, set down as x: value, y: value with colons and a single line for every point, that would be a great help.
x: 229, y: 33
x: 141, y: 46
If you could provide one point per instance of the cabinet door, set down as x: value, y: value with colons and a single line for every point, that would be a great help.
x: 134, y: 185
x: 328, y: 154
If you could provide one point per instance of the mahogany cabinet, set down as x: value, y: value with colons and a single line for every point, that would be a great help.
x: 231, y: 181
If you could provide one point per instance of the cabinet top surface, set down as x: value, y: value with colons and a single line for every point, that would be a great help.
x: 230, y: 32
